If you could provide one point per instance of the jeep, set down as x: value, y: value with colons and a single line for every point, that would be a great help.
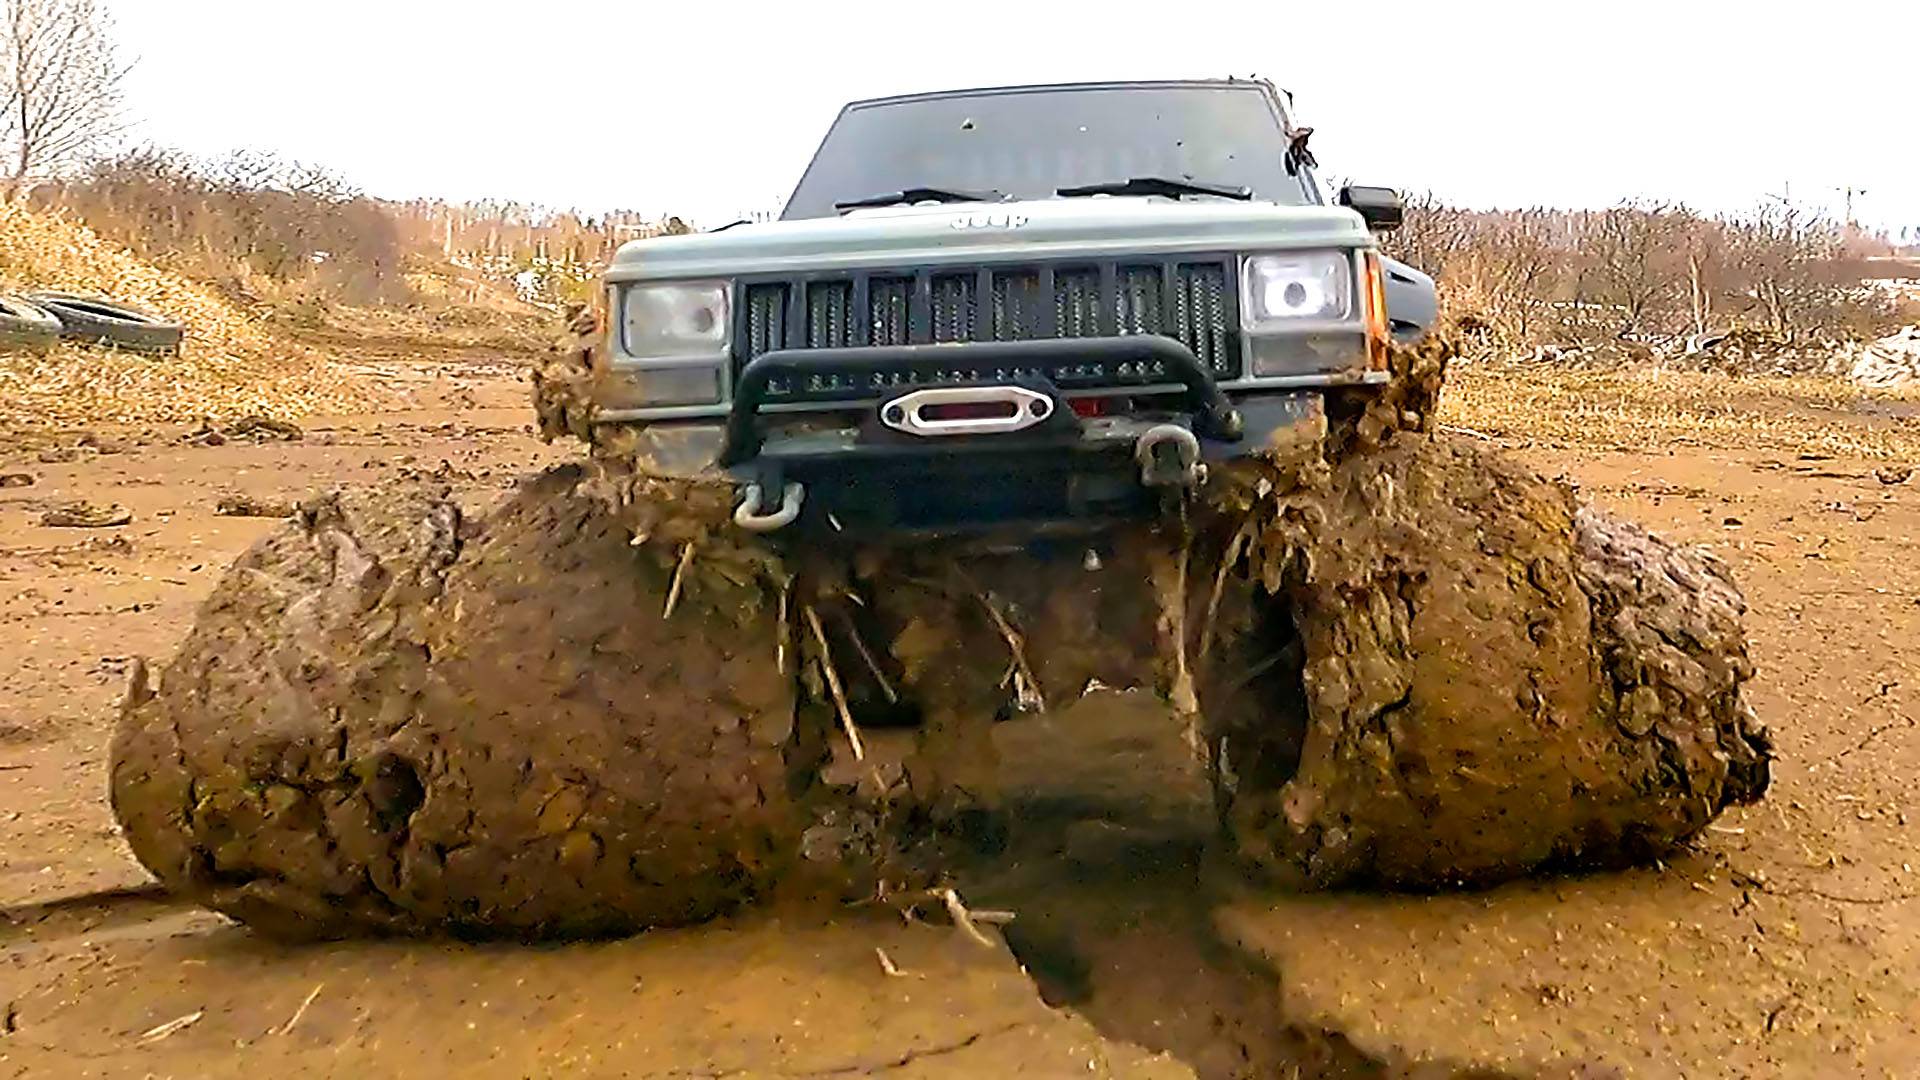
x: 1032, y: 306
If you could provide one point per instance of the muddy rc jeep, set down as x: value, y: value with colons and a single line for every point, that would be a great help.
x: 1036, y: 305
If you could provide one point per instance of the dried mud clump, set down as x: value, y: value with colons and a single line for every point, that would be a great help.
x: 562, y: 386
x: 1442, y: 670
x: 1365, y: 420
x: 388, y: 718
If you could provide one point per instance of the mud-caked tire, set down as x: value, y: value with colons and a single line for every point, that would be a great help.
x: 1460, y: 675
x: 389, y: 718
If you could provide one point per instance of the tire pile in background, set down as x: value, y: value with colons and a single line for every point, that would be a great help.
x: 229, y: 363
x: 37, y: 321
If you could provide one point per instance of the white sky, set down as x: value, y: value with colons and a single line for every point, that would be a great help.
x: 710, y: 109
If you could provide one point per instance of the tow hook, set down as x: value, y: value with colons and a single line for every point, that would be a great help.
x: 748, y: 514
x: 1169, y: 456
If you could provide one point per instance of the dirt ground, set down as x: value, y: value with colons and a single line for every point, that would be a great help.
x: 1785, y: 943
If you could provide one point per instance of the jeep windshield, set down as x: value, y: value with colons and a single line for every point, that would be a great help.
x: 1029, y: 143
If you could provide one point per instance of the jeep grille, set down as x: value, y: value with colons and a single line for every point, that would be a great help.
x: 1192, y: 301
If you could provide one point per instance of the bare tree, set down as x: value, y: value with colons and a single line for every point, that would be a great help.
x: 1790, y: 258
x: 1643, y: 274
x: 1628, y: 245
x: 1704, y: 241
x: 60, y: 86
x: 1431, y: 233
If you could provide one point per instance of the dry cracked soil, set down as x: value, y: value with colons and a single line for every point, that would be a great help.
x: 1784, y: 942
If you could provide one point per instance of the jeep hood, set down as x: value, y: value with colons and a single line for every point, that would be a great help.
x: 974, y: 233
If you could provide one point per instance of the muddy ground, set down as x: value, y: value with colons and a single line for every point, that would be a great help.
x: 1787, y: 942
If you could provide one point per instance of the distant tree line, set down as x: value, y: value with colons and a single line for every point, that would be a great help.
x: 1647, y: 275
x: 264, y: 228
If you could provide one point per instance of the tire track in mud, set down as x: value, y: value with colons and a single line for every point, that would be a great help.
x: 1114, y: 872
x: 33, y: 934
x: 1114, y: 875
x: 84, y: 913
x: 1128, y: 947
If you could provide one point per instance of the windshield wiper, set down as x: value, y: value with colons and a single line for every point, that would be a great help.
x: 921, y: 194
x: 1156, y: 185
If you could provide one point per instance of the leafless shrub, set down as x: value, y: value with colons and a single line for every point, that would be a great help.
x: 1643, y: 277
x: 245, y: 222
x: 1628, y: 269
x: 297, y: 237
x: 1786, y: 259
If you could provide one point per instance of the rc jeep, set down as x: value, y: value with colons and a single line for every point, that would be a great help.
x: 1032, y: 306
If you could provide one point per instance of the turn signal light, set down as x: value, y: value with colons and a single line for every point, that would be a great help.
x: 1374, y: 311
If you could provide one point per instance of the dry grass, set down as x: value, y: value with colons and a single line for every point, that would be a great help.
x: 1650, y: 408
x: 231, y: 364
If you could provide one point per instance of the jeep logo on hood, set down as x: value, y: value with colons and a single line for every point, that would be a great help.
x: 1002, y: 220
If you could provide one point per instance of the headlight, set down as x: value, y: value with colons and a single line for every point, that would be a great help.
x: 1283, y: 289
x: 681, y: 320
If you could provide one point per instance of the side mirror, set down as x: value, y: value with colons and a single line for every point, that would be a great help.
x: 1379, y: 207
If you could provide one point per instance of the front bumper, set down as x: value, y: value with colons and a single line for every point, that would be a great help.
x: 1087, y: 473
x: 856, y: 470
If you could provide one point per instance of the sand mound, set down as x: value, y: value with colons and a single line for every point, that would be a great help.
x: 229, y: 366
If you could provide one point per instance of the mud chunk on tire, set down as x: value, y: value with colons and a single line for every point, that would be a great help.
x: 1473, y: 677
x: 388, y: 718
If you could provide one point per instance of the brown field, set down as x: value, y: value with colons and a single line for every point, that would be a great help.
x: 1786, y: 942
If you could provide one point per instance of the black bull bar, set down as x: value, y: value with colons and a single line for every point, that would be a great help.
x: 1214, y: 416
